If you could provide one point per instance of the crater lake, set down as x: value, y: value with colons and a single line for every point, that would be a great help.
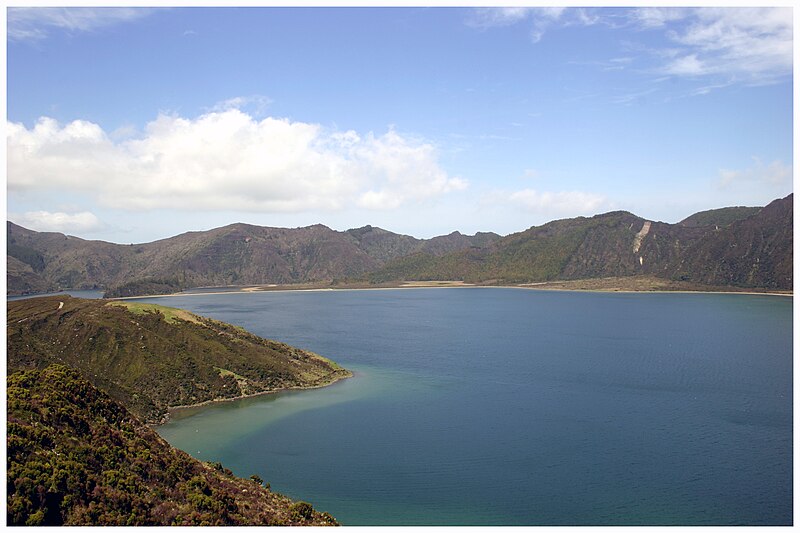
x: 481, y: 406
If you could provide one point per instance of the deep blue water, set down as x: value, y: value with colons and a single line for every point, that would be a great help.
x: 518, y: 407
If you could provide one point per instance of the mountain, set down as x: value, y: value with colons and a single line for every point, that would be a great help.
x: 151, y: 358
x: 751, y: 251
x: 75, y: 456
x: 756, y: 251
x: 739, y: 246
x: 719, y: 217
x: 24, y: 279
x: 238, y: 254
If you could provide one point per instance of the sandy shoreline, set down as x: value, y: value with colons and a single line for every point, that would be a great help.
x: 540, y: 286
x: 177, y: 408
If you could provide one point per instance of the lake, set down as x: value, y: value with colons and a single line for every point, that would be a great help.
x: 482, y: 406
x: 77, y: 293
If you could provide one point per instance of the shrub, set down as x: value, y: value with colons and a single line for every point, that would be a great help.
x: 301, y: 511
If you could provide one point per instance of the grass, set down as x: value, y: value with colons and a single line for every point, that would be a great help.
x: 152, y: 357
x: 224, y: 372
x: 170, y: 313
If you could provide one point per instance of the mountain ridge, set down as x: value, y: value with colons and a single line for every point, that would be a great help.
x: 572, y: 248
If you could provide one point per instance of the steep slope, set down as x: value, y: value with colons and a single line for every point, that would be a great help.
x: 22, y: 276
x: 562, y: 249
x: 151, y: 358
x: 382, y: 245
x: 385, y: 246
x: 77, y: 457
x: 756, y: 251
x: 69, y: 262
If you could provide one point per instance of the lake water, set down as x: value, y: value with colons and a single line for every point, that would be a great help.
x: 517, y: 407
x: 89, y: 294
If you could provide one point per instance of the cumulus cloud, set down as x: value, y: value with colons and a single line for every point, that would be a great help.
x: 61, y: 222
x: 227, y: 160
x: 775, y: 174
x: 35, y: 23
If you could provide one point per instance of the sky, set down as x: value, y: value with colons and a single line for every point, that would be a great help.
x: 135, y: 124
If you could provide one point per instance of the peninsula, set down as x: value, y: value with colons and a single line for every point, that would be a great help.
x: 86, y: 377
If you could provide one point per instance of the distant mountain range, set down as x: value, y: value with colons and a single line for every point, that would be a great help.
x: 735, y: 246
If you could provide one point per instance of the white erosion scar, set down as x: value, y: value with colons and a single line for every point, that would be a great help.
x: 637, y: 240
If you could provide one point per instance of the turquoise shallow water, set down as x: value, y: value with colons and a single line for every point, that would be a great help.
x: 518, y: 407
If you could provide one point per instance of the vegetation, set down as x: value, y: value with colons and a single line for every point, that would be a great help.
x: 238, y: 254
x: 77, y: 457
x: 170, y: 314
x: 144, y: 286
x: 561, y: 249
x: 151, y: 358
x: 22, y: 278
x: 754, y: 250
x: 719, y: 217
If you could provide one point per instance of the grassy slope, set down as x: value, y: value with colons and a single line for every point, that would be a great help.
x: 151, y: 358
x: 540, y: 253
x: 77, y: 457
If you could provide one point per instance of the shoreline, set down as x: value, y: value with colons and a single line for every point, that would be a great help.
x: 541, y: 286
x: 178, y: 408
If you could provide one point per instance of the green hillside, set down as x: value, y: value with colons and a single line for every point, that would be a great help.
x: 151, y: 358
x: 77, y: 457
x: 570, y: 248
x: 745, y: 247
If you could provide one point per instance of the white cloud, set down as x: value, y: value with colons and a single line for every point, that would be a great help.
x: 657, y: 17
x: 227, y: 160
x: 257, y: 102
x: 61, y: 222
x: 560, y: 203
x: 497, y: 16
x: 35, y: 23
x: 750, y: 45
x: 741, y: 45
x: 540, y: 18
x: 775, y: 174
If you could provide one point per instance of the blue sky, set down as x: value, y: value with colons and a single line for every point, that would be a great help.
x: 130, y: 125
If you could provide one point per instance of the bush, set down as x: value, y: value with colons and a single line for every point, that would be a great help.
x: 301, y: 511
